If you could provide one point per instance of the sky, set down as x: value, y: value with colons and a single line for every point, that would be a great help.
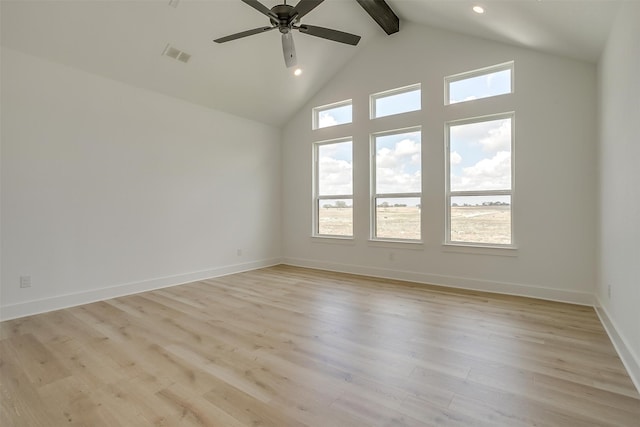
x: 335, y: 116
x: 398, y: 103
x: 398, y: 163
x: 480, y: 152
x: 480, y: 156
x: 479, y: 87
x: 335, y: 169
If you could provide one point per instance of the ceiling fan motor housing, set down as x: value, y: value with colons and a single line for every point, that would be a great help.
x: 284, y: 22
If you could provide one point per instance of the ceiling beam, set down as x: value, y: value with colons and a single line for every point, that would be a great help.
x: 382, y: 14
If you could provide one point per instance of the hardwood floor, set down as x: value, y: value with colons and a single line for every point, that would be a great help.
x: 286, y: 346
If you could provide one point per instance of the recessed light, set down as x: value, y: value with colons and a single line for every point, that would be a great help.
x: 478, y: 9
x: 297, y: 72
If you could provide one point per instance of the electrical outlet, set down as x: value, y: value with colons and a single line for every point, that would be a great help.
x: 239, y: 252
x: 25, y: 281
x: 392, y: 256
x: 609, y: 291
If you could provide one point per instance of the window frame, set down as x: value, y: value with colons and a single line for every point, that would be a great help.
x: 477, y: 73
x: 315, y: 113
x: 374, y: 195
x: 449, y: 194
x: 388, y: 93
x: 317, y: 197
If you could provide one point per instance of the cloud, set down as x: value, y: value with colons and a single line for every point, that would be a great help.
x: 492, y: 135
x: 468, y: 98
x: 407, y: 147
x: 389, y: 181
x: 398, y: 169
x: 405, y: 151
x: 335, y: 176
x: 488, y: 174
x: 325, y: 119
x: 498, y: 137
x: 489, y: 79
x: 455, y: 158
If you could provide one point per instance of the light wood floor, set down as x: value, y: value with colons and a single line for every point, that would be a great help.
x: 286, y: 346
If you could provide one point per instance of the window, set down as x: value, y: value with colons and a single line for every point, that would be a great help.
x: 332, y: 115
x: 480, y: 184
x: 397, y: 184
x: 333, y: 204
x: 484, y: 83
x: 396, y: 101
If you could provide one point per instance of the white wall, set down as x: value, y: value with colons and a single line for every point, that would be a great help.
x: 619, y: 155
x: 109, y: 189
x: 555, y: 178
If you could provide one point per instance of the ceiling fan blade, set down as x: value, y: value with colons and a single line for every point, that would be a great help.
x: 303, y: 7
x: 380, y: 11
x: 289, y: 50
x: 329, y: 34
x: 244, y: 34
x: 260, y: 8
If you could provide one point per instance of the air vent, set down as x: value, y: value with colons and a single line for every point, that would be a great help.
x: 174, y: 53
x: 174, y: 3
x: 184, y: 57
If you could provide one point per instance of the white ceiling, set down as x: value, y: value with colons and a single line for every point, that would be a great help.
x: 123, y: 40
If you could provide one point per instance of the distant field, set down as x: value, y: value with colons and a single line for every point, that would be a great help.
x: 335, y: 221
x: 399, y: 223
x: 481, y: 224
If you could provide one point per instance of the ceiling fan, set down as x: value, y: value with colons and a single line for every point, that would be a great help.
x: 286, y: 18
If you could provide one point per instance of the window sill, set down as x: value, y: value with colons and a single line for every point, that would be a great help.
x: 396, y: 244
x: 338, y: 240
x: 509, y: 251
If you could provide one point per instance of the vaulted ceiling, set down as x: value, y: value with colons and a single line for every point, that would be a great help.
x: 124, y: 41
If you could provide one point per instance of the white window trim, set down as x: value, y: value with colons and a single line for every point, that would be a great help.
x: 475, y: 73
x: 449, y: 193
x: 315, y: 113
x: 391, y: 92
x: 479, y: 249
x: 375, y: 195
x: 316, y: 190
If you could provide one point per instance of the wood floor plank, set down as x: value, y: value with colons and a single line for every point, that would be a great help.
x: 21, y: 403
x: 246, y: 408
x: 521, y: 383
x: 39, y: 364
x: 287, y: 346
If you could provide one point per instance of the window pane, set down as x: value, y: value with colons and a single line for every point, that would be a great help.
x: 481, y: 219
x: 335, y: 169
x: 335, y: 217
x: 482, y: 86
x: 332, y: 115
x: 398, y: 163
x: 398, y: 218
x: 480, y: 156
x: 396, y: 103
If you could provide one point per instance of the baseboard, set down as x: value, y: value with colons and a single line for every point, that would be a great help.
x: 58, y: 302
x: 630, y: 360
x: 550, y: 294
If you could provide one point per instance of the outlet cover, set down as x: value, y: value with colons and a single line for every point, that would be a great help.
x: 25, y: 281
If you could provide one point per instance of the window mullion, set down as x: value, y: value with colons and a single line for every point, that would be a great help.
x: 481, y: 193
x: 395, y: 195
x: 335, y: 196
